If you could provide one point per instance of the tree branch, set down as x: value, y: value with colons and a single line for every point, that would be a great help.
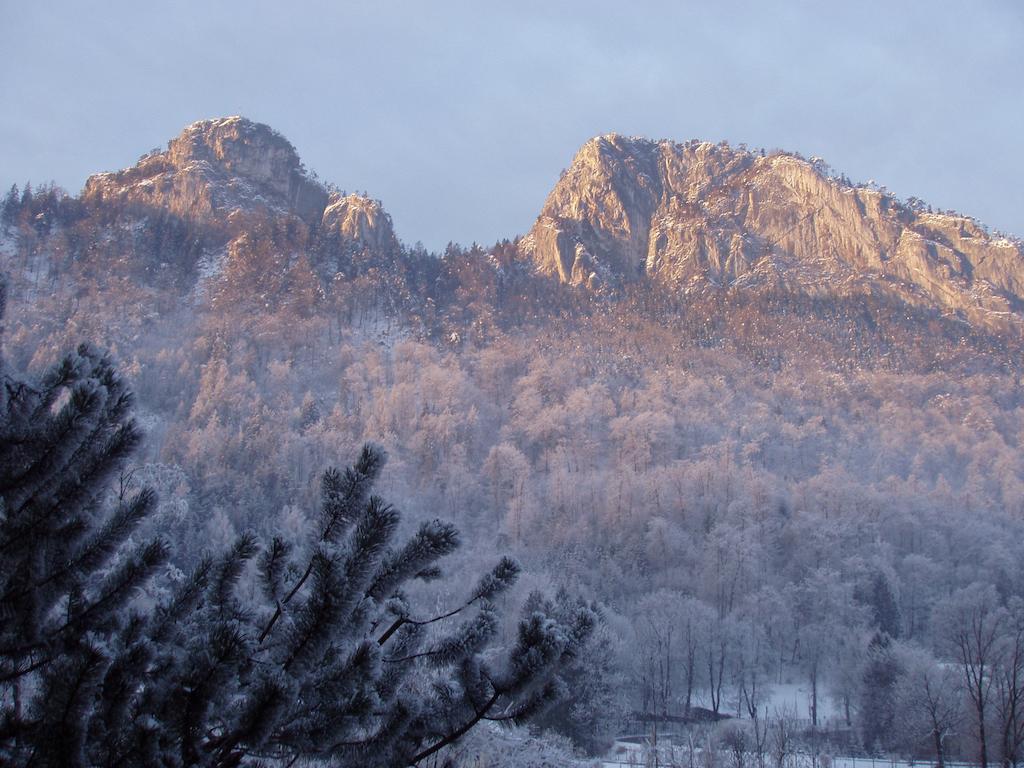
x: 458, y: 733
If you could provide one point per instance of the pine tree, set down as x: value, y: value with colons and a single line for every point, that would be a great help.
x: 878, y: 595
x: 586, y: 717
x: 10, y: 207
x: 885, y: 608
x: 326, y: 660
x: 63, y: 438
x: 882, y: 671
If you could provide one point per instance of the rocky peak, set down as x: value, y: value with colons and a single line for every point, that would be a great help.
x: 215, y: 167
x: 601, y: 211
x: 701, y: 213
x: 352, y: 223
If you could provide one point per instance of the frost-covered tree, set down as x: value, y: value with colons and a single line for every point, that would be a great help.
x: 1009, y: 685
x: 881, y: 674
x: 929, y: 702
x: 10, y: 205
x: 588, y: 718
x: 972, y: 623
x: 324, y: 658
x: 880, y: 599
x: 63, y: 437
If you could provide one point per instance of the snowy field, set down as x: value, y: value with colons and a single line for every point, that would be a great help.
x: 628, y: 754
x: 795, y: 697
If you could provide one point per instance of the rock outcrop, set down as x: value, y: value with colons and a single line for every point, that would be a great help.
x: 213, y: 168
x: 235, y: 182
x: 694, y: 215
x: 353, y: 223
x: 705, y: 214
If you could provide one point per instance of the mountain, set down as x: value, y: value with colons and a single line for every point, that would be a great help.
x: 226, y: 175
x: 691, y: 217
x: 774, y: 398
x: 215, y: 167
x: 724, y: 235
x: 700, y: 215
x: 707, y: 381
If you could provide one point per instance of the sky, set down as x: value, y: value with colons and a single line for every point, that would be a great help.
x: 459, y: 116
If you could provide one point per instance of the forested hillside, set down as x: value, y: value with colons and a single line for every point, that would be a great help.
x: 752, y: 484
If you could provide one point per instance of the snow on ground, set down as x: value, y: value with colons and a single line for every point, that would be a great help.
x: 28, y: 272
x: 624, y: 753
x: 212, y: 264
x: 632, y: 755
x: 378, y: 328
x: 792, y: 697
x: 8, y: 242
x: 795, y: 697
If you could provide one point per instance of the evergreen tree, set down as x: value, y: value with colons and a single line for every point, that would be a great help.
x: 885, y: 608
x: 26, y: 195
x: 11, y: 206
x: 587, y: 717
x: 326, y: 659
x: 882, y: 671
x: 63, y: 437
x: 878, y: 595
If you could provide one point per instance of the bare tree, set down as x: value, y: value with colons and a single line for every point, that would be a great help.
x: 719, y: 645
x: 694, y: 738
x: 783, y: 736
x: 656, y: 624
x: 760, y: 733
x: 736, y: 741
x: 1009, y: 684
x: 748, y: 667
x: 972, y: 621
x: 929, y: 701
x: 693, y: 615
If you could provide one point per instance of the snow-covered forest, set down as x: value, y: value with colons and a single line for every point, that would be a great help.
x: 796, y: 512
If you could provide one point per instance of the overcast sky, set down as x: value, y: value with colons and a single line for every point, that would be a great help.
x: 459, y: 116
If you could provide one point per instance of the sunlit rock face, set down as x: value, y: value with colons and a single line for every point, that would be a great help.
x: 700, y: 214
x: 238, y: 187
x: 355, y: 223
x: 213, y: 168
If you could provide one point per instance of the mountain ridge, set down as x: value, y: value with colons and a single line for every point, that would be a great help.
x: 686, y: 214
x: 691, y: 216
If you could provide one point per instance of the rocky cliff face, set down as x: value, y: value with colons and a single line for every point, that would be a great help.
x: 692, y: 216
x: 213, y: 168
x: 236, y: 182
x: 699, y: 214
x: 354, y: 223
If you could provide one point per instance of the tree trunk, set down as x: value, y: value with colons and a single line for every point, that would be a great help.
x: 940, y: 759
x: 689, y: 682
x: 814, y: 694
